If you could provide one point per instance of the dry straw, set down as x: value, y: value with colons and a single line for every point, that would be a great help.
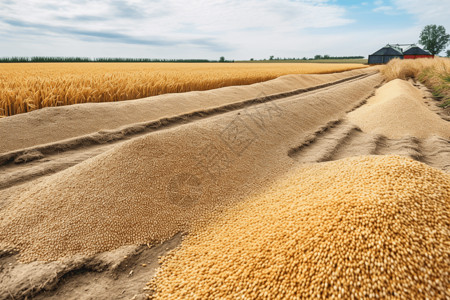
x: 412, y: 68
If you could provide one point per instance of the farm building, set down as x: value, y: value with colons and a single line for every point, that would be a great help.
x: 413, y: 52
x: 385, y: 54
x: 388, y: 52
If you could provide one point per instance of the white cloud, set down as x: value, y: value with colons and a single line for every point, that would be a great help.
x: 384, y: 9
x: 214, y: 25
x: 427, y: 11
x: 206, y: 29
x: 381, y: 7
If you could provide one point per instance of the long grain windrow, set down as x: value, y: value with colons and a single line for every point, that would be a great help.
x: 364, y: 227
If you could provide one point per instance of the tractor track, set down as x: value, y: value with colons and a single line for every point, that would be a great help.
x: 341, y: 139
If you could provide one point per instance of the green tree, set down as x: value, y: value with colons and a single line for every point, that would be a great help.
x: 318, y: 56
x: 448, y: 53
x: 434, y: 38
x: 222, y: 59
x: 271, y: 57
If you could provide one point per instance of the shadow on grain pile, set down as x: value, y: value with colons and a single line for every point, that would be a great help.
x: 150, y: 188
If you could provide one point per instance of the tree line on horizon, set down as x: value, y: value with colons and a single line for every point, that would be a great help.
x: 316, y: 57
x: 25, y: 59
x: 16, y: 59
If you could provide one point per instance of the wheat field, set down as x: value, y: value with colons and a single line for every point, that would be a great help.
x: 28, y: 86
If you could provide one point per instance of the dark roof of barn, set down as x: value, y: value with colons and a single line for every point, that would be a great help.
x: 414, y: 50
x: 388, y: 50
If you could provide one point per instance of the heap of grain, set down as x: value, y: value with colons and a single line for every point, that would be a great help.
x: 149, y: 188
x: 397, y: 110
x: 375, y: 226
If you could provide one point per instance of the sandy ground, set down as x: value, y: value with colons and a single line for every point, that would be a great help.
x: 229, y: 153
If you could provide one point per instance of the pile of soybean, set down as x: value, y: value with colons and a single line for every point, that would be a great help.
x: 374, y: 226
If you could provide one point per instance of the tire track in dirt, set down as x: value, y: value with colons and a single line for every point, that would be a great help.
x: 358, y: 143
x: 438, y: 152
x: 325, y: 144
x: 432, y: 102
x: 342, y: 139
x: 407, y: 146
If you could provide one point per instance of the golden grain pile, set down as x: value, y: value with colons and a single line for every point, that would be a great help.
x: 149, y: 188
x: 28, y: 86
x: 398, y: 110
x: 365, y: 227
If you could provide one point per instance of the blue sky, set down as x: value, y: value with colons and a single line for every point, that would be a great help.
x: 209, y: 29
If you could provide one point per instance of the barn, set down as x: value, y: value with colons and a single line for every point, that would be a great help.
x: 413, y: 52
x: 402, y: 51
x: 385, y: 54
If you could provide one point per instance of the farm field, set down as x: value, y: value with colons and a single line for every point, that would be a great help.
x: 28, y: 86
x: 292, y: 186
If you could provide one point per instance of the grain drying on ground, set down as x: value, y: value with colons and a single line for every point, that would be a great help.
x: 136, y: 192
x: 28, y: 86
x: 364, y: 227
x: 398, y: 110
